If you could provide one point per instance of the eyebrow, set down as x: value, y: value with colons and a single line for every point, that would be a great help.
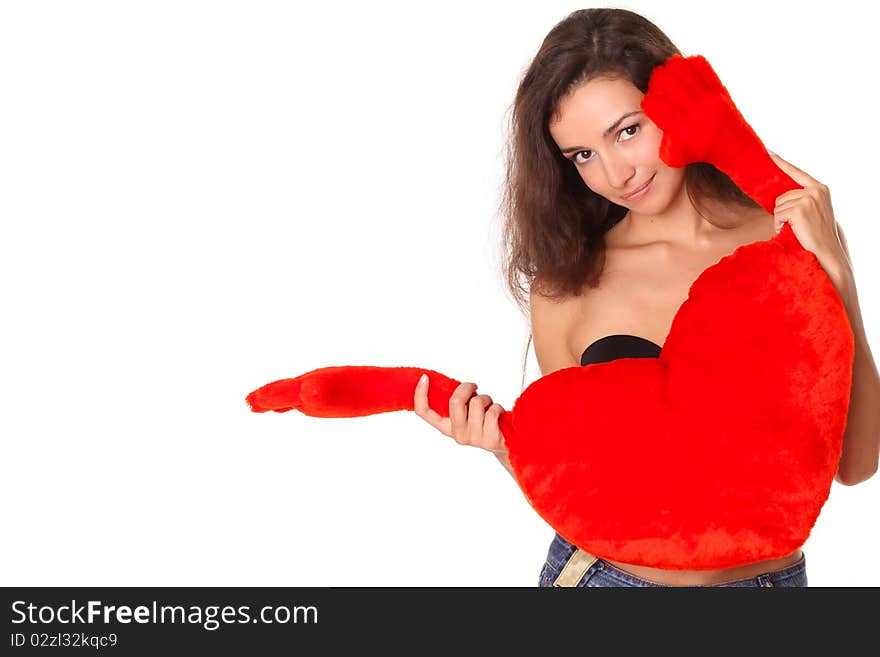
x: 571, y: 149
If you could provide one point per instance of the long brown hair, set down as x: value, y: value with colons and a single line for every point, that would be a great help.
x: 553, y: 224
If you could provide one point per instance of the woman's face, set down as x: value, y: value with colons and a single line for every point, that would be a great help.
x: 624, y: 159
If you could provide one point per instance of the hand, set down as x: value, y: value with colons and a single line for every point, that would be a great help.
x: 809, y: 213
x: 469, y: 423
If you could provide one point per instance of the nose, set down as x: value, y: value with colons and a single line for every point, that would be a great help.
x: 618, y: 172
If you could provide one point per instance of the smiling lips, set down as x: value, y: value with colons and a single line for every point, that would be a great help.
x: 639, y: 190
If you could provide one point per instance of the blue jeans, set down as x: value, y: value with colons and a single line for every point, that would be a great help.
x: 602, y: 573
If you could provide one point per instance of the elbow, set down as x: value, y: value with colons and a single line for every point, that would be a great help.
x: 852, y: 478
x: 859, y: 462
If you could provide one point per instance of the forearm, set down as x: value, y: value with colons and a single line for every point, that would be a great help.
x: 501, y: 455
x: 861, y: 442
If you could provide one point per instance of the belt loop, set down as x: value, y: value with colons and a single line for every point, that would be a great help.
x: 765, y: 581
x: 573, y: 570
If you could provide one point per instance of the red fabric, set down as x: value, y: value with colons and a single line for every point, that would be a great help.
x: 700, y: 123
x: 719, y: 453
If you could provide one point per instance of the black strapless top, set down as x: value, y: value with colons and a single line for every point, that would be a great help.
x: 612, y: 347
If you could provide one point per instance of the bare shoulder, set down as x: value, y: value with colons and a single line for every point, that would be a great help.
x: 551, y: 316
x: 553, y: 322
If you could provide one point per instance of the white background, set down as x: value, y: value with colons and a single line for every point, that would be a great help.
x: 198, y: 198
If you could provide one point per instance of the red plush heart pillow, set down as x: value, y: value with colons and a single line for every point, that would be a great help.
x: 719, y: 453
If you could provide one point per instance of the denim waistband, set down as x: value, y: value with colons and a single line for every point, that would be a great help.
x: 561, y: 550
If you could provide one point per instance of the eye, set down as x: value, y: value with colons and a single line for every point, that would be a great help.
x: 634, y: 126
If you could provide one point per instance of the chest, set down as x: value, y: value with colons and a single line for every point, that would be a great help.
x: 641, y: 289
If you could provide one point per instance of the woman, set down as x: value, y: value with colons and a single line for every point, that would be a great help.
x: 609, y: 239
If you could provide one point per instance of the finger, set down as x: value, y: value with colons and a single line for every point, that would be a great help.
x: 789, y: 215
x: 800, y: 177
x: 791, y: 195
x: 492, y: 435
x: 424, y: 411
x: 787, y: 205
x: 420, y: 397
x: 476, y: 408
x: 458, y: 411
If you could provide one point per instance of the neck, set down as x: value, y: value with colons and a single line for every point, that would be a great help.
x: 679, y: 223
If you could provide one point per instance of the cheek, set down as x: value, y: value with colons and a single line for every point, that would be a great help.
x: 591, y: 187
x: 594, y: 183
x: 649, y: 146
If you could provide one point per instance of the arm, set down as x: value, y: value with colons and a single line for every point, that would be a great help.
x: 861, y: 441
x: 501, y: 455
x: 549, y: 321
